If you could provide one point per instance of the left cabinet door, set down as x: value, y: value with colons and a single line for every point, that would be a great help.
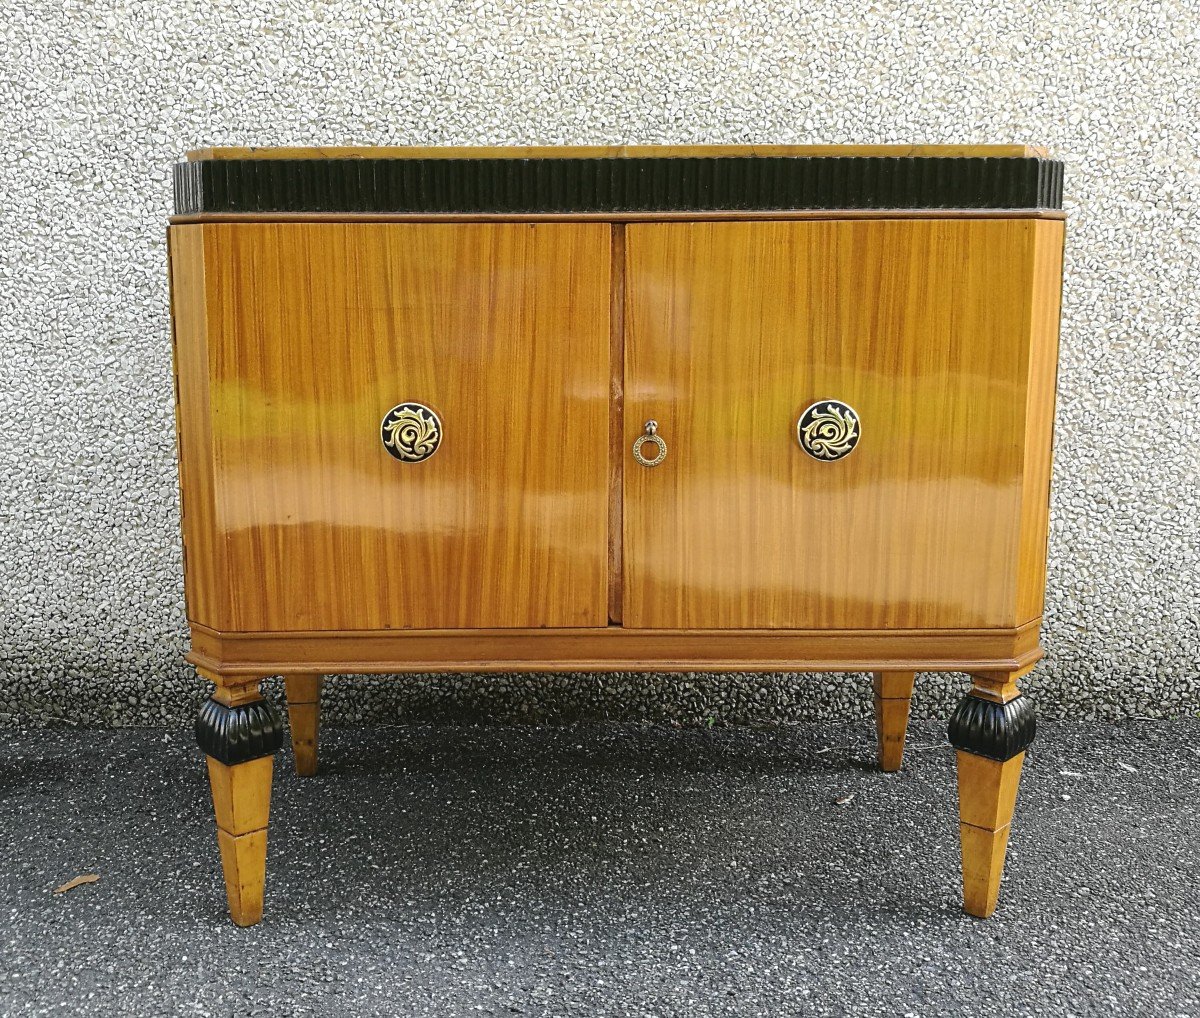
x: 293, y: 341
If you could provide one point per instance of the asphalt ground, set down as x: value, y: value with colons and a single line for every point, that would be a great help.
x: 602, y: 869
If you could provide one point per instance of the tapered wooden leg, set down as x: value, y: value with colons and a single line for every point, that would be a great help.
x: 991, y: 730
x: 304, y: 717
x: 987, y: 793
x: 239, y: 733
x: 893, y: 694
x: 242, y: 803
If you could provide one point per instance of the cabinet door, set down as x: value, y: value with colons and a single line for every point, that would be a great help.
x: 939, y: 333
x: 296, y: 517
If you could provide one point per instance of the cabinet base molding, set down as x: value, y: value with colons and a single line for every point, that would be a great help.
x: 384, y: 652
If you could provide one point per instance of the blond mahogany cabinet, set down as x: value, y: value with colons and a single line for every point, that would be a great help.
x: 713, y: 409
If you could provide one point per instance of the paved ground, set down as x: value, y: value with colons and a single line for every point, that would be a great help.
x: 602, y: 870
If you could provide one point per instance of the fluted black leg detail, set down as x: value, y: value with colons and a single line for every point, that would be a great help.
x: 238, y: 733
x: 998, y: 731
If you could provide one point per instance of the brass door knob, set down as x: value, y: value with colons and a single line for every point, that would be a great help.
x: 651, y: 435
x: 411, y: 432
x: 828, y: 430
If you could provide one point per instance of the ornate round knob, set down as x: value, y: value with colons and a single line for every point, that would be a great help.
x: 828, y: 430
x: 651, y: 435
x: 411, y: 432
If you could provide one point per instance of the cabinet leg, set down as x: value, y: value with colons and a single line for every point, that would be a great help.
x: 304, y: 718
x: 239, y: 733
x: 991, y: 729
x: 893, y: 694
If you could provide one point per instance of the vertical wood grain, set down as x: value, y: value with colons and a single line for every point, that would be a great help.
x: 616, y: 425
x: 304, y: 719
x: 204, y: 575
x: 1044, y: 313
x: 987, y: 796
x: 314, y: 331
x: 734, y: 328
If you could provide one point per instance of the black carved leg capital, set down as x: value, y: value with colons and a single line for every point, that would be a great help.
x: 991, y: 729
x: 988, y: 728
x: 240, y: 738
x: 234, y: 734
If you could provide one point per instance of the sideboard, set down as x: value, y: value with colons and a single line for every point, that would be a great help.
x: 637, y: 409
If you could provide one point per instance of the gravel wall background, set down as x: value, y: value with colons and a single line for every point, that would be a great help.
x: 97, y: 99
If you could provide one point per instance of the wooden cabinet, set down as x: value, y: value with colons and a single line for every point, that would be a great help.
x: 681, y: 409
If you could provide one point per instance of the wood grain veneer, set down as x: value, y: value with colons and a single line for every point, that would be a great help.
x: 935, y: 331
x: 300, y: 337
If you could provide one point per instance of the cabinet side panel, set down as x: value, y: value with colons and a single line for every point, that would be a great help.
x: 1044, y: 312
x: 319, y: 330
x: 204, y: 565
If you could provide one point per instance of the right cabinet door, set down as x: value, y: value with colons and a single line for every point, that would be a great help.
x: 941, y: 334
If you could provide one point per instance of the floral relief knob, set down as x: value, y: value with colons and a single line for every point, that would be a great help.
x: 828, y: 430
x: 411, y: 432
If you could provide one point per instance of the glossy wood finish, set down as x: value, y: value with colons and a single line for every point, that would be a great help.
x: 205, y: 576
x: 304, y: 719
x: 933, y: 330
x: 230, y: 657
x: 1044, y: 313
x: 893, y: 696
x: 242, y: 803
x: 608, y: 151
x: 294, y: 340
x: 616, y: 425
